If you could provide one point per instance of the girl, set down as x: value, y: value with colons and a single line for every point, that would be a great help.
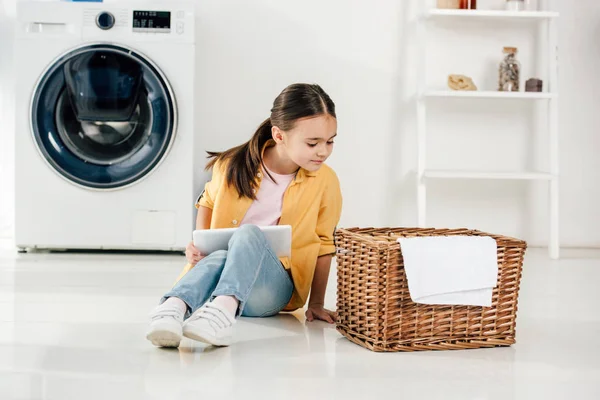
x: 278, y: 177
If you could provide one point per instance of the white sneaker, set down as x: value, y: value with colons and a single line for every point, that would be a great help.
x: 210, y: 324
x: 165, y: 327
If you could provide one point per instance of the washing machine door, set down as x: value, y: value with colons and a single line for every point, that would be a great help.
x: 103, y: 116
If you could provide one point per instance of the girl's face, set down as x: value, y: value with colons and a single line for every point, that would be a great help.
x: 310, y: 142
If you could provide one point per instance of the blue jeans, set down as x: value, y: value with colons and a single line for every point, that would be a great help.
x: 249, y: 270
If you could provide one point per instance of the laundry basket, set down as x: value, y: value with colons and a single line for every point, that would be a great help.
x: 375, y: 310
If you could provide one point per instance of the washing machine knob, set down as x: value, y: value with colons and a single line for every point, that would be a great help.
x: 105, y: 20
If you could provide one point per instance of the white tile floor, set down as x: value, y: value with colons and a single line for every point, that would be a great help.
x: 72, y: 327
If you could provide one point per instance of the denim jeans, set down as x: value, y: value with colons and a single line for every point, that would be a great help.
x: 248, y: 270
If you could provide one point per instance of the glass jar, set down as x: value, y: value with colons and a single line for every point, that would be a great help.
x: 515, y: 5
x: 468, y: 4
x: 510, y: 71
x: 451, y: 4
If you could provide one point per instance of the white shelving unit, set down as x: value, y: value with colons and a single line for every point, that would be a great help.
x: 480, y: 94
x: 524, y: 176
x: 495, y: 14
x: 546, y: 22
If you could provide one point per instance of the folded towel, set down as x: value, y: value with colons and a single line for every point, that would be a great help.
x: 453, y: 270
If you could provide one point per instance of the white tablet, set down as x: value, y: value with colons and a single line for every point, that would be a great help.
x: 210, y: 240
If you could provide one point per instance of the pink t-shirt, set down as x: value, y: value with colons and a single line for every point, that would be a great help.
x: 266, y: 209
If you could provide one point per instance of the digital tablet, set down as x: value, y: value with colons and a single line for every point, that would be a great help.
x: 211, y: 240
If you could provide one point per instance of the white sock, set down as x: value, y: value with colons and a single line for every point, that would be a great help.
x: 229, y: 302
x: 175, y: 302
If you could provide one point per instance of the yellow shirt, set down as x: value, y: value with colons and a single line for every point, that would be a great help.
x: 312, y: 205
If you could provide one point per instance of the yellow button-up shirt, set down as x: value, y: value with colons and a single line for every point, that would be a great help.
x: 312, y: 205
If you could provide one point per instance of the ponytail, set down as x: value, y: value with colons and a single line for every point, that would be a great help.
x: 244, y: 161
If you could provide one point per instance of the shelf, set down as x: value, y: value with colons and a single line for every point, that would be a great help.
x: 489, y: 22
x: 480, y: 94
x: 492, y: 14
x: 528, y: 176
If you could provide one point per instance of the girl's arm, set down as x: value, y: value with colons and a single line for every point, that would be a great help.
x: 329, y: 216
x: 192, y: 254
x: 203, y: 218
x: 316, y: 303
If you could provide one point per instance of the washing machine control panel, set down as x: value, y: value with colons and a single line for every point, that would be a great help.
x: 172, y: 22
x: 152, y: 21
x: 105, y: 20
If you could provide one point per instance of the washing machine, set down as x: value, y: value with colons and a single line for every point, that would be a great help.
x: 105, y: 145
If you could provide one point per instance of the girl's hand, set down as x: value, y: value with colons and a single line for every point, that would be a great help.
x: 318, y: 312
x: 192, y: 254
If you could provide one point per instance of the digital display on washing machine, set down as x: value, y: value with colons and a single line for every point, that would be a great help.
x: 152, y: 21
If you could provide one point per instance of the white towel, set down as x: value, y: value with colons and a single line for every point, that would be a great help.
x: 452, y: 270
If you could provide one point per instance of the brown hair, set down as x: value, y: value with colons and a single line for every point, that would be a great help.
x: 296, y: 101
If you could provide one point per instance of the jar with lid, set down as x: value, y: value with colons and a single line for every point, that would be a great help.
x: 509, y: 71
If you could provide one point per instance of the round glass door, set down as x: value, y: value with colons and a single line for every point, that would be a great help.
x: 103, y: 116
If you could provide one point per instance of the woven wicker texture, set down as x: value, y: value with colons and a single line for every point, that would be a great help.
x: 375, y: 309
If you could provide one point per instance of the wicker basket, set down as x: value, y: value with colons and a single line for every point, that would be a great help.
x: 375, y: 309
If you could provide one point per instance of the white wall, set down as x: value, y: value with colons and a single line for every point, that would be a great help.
x: 579, y: 121
x: 363, y: 54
